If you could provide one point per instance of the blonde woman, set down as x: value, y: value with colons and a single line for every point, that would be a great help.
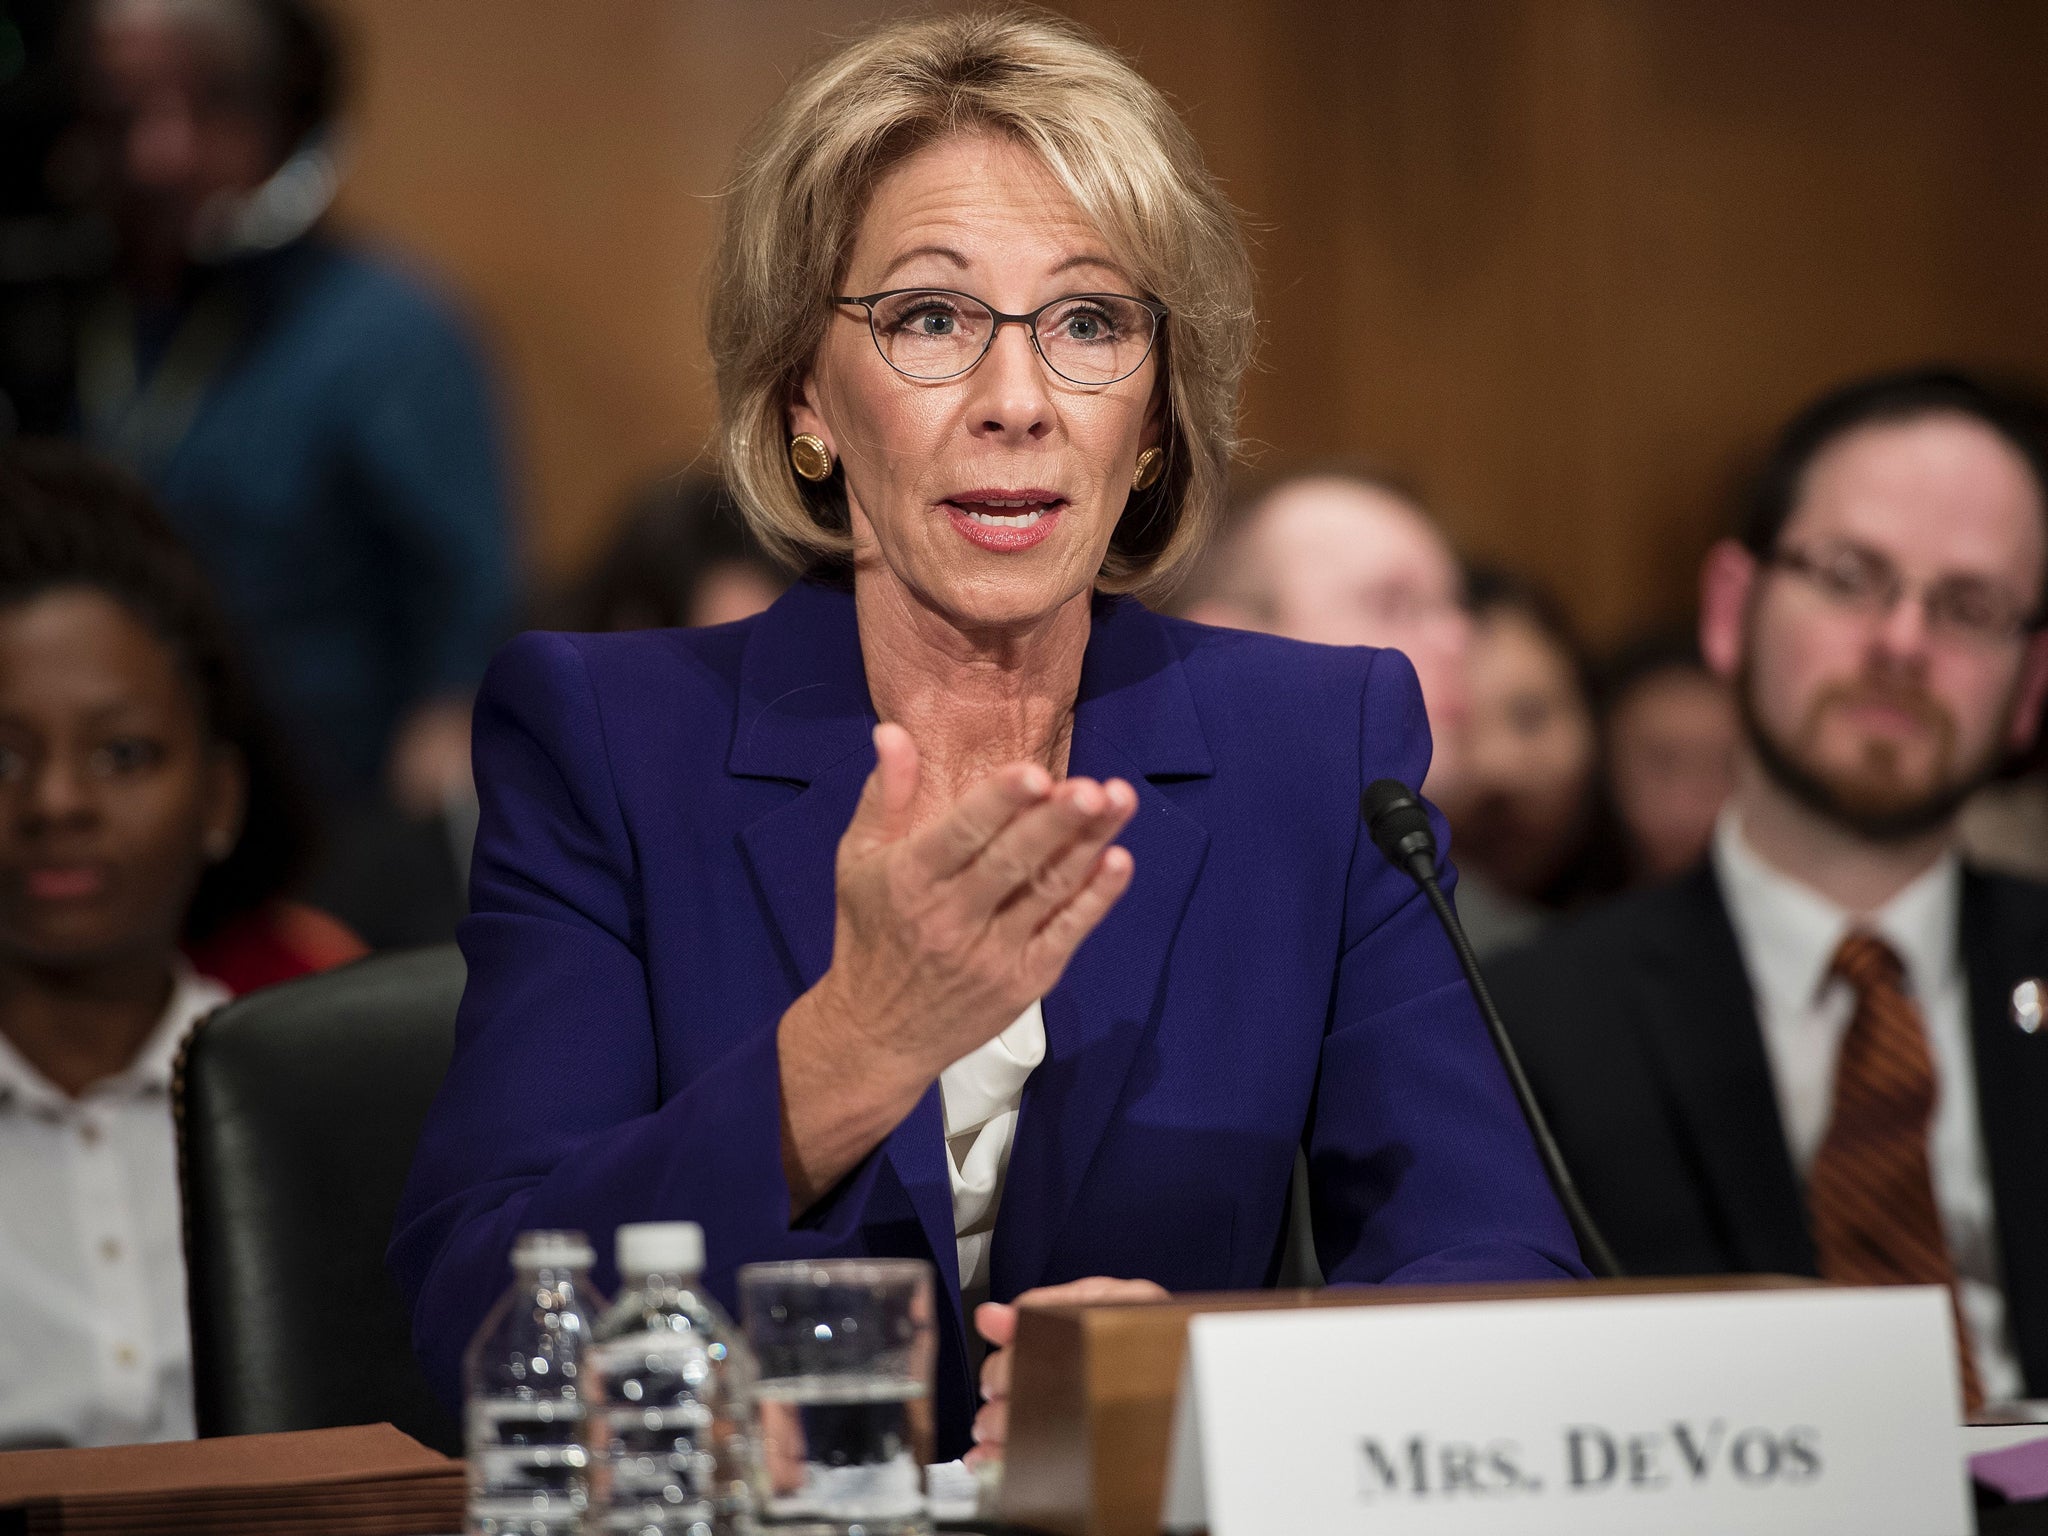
x: 959, y: 906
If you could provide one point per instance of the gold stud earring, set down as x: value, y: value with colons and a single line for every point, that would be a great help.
x: 809, y: 457
x: 1151, y: 465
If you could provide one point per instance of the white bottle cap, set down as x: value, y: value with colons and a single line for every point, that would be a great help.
x: 552, y: 1250
x: 661, y: 1248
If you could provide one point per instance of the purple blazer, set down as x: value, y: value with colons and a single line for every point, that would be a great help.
x: 653, y: 887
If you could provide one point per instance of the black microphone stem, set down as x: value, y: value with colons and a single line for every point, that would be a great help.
x: 1594, y: 1246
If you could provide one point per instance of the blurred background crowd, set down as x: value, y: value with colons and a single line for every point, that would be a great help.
x: 340, y: 341
x: 392, y: 309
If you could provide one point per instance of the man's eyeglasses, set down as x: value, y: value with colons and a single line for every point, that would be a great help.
x: 1862, y: 581
x: 1085, y: 338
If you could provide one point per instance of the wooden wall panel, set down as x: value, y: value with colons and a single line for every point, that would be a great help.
x: 1563, y: 262
x: 560, y: 163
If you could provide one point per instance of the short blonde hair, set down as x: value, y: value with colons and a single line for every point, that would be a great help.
x: 1108, y: 137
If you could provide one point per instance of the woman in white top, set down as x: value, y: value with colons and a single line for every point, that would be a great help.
x: 139, y: 809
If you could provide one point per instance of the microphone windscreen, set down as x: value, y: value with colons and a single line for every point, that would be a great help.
x: 1396, y: 820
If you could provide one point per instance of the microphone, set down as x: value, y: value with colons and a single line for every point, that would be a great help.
x: 1400, y: 827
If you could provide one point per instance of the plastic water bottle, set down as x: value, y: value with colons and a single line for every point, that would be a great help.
x: 524, y: 1385
x: 672, y: 1403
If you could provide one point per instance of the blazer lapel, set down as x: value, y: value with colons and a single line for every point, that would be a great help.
x: 1136, y: 720
x: 792, y: 851
x: 805, y: 718
x: 1701, y: 1027
x: 2005, y: 941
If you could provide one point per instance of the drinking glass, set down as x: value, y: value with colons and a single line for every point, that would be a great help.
x: 846, y: 1349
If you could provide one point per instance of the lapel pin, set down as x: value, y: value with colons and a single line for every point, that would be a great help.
x: 2030, y: 1004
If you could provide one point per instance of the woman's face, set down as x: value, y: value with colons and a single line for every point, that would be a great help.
x: 111, y: 794
x: 931, y: 466
x: 1672, y: 741
x: 1529, y: 749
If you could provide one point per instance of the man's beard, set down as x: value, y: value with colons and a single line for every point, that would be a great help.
x: 1872, y: 798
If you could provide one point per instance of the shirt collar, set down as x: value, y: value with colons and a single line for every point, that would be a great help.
x: 192, y: 997
x: 1923, y: 923
x: 1790, y: 932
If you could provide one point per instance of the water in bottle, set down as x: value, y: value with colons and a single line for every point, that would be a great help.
x: 672, y: 1396
x: 524, y: 1387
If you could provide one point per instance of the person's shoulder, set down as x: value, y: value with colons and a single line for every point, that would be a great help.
x: 1247, y: 653
x: 1265, y: 672
x: 1312, y: 723
x: 1615, y: 938
x: 2010, y: 909
x: 2025, y: 893
x: 636, y: 709
x: 369, y: 274
x: 1343, y: 714
x: 640, y: 668
x: 373, y: 298
x: 279, y: 941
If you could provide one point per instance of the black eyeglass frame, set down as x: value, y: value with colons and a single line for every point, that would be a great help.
x: 1811, y: 567
x: 1028, y: 321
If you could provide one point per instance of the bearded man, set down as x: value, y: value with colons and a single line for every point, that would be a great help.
x: 1822, y: 1050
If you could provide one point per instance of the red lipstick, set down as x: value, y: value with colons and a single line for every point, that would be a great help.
x: 1005, y: 520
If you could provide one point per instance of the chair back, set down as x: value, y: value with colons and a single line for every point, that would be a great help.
x: 298, y: 1108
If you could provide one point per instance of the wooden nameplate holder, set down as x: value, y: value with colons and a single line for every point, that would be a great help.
x: 1091, y: 1410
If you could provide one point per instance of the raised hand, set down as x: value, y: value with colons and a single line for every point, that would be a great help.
x: 945, y: 933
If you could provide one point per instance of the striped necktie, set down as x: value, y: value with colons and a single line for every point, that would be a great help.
x: 1871, y: 1189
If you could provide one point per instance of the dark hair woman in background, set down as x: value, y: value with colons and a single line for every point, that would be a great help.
x: 1531, y: 827
x: 1669, y: 735
x: 683, y: 557
x: 147, y: 832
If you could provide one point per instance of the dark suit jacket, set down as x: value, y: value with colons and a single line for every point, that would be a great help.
x: 1637, y: 1026
x: 653, y: 888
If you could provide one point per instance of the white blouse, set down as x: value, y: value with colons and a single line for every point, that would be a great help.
x: 95, y: 1350
x: 982, y: 1093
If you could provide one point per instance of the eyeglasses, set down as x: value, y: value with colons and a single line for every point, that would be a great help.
x: 1862, y: 581
x: 1086, y: 338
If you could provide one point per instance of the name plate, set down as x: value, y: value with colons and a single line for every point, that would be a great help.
x: 1802, y: 1412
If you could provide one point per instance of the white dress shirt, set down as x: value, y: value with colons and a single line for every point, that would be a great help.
x: 1788, y: 934
x: 982, y: 1093
x: 94, y: 1348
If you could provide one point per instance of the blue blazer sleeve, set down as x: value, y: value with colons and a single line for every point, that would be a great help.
x: 1421, y: 1166
x: 550, y: 1114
